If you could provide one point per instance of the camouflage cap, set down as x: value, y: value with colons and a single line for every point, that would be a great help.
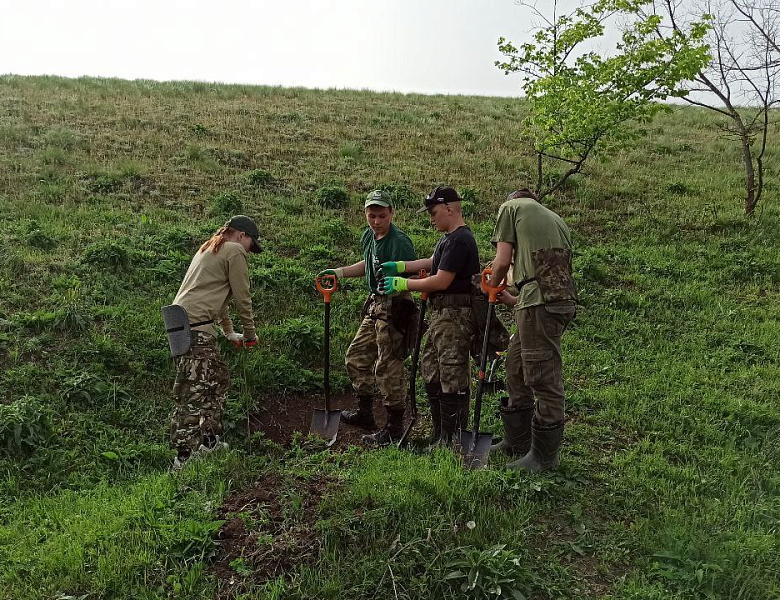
x: 379, y: 198
x: 249, y: 227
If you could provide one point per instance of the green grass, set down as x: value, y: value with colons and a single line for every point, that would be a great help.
x: 668, y: 487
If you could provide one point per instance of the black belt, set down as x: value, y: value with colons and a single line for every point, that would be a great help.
x: 198, y: 324
x: 520, y: 284
x: 451, y: 300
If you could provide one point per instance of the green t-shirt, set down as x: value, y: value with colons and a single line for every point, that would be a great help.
x: 529, y: 226
x: 396, y: 245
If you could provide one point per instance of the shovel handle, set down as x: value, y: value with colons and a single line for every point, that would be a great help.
x: 326, y: 285
x: 422, y: 275
x: 491, y: 291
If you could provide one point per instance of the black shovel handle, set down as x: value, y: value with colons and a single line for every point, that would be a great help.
x: 327, y: 357
x: 481, y: 380
x: 415, y: 360
x: 492, y: 294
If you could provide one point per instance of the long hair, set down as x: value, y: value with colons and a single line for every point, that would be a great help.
x: 216, y: 240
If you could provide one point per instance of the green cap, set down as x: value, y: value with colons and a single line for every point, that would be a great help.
x: 379, y: 198
x: 249, y: 227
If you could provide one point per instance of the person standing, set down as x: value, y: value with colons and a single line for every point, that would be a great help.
x: 538, y: 241
x: 217, y: 274
x: 452, y: 324
x: 375, y: 358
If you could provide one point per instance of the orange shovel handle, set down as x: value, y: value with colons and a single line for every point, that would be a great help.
x: 491, y: 291
x: 326, y: 285
x: 422, y: 275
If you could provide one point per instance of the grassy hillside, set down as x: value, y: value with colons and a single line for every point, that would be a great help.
x: 669, y: 485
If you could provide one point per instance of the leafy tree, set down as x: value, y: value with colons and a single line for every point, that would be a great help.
x: 580, y: 100
x: 742, y: 83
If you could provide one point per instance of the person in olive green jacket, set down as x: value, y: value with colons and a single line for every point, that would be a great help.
x: 217, y: 274
x: 538, y: 242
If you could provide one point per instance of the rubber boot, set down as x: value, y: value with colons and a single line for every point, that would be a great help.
x: 545, y: 444
x: 391, y: 432
x: 363, y: 417
x: 517, y: 429
x: 454, y: 416
x: 433, y: 391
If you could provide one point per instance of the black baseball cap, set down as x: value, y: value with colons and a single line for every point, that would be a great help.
x: 442, y: 194
x: 249, y: 227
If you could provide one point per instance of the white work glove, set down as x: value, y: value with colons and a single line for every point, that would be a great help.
x: 237, y: 339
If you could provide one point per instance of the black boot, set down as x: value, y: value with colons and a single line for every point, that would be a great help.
x: 517, y: 429
x: 545, y: 444
x: 391, y: 432
x: 454, y: 416
x: 363, y: 417
x: 433, y: 391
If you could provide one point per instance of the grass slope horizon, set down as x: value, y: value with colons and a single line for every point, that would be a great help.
x: 668, y: 488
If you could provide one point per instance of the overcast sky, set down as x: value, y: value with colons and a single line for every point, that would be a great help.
x: 428, y: 46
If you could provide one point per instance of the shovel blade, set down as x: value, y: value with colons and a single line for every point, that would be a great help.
x: 477, y: 457
x: 325, y: 424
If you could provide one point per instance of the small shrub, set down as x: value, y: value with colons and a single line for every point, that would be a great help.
x: 468, y: 194
x: 199, y: 130
x: 61, y: 137
x: 25, y: 424
x: 300, y: 338
x: 226, y: 204
x: 259, y: 178
x: 678, y: 189
x: 351, y: 150
x: 332, y: 196
x: 336, y: 231
x: 105, y: 183
x: 106, y: 254
x: 41, y: 240
x: 12, y: 262
x: 402, y: 196
x: 468, y: 208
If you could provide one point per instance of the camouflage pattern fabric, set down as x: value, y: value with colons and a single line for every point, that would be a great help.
x: 375, y: 358
x: 553, y: 274
x: 200, y: 390
x: 445, y: 358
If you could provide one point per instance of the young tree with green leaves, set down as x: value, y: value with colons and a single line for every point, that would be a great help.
x: 581, y: 100
x: 742, y: 83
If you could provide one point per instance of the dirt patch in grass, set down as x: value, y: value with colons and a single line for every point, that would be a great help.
x: 269, y: 530
x: 280, y: 419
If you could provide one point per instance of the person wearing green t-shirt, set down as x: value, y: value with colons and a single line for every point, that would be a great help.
x: 538, y: 242
x: 375, y: 357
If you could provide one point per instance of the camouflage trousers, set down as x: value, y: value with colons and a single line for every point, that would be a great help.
x: 200, y: 390
x: 446, y: 358
x: 534, y: 366
x: 376, y: 357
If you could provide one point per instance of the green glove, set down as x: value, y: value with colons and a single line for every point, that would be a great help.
x: 391, y: 285
x: 392, y: 268
x: 339, y: 273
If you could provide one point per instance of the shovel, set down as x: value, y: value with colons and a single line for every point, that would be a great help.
x: 475, y: 446
x: 415, y: 358
x: 325, y: 423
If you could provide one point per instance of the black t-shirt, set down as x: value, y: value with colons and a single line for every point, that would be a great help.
x: 457, y: 253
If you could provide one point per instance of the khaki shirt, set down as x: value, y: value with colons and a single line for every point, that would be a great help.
x: 529, y: 226
x: 210, y: 283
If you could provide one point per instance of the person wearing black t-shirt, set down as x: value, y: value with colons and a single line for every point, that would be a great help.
x: 452, y: 324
